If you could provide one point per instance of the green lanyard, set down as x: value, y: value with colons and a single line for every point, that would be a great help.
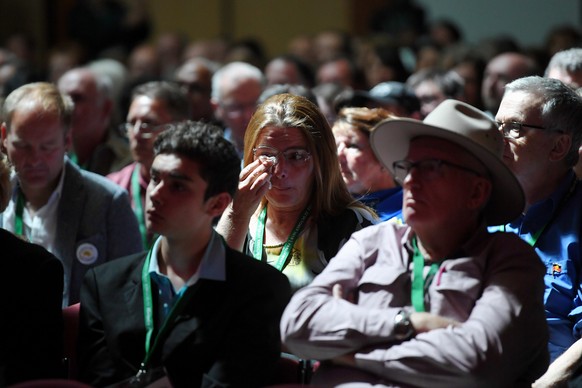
x: 532, y: 240
x: 138, y: 207
x: 288, y: 246
x: 418, y: 283
x: 148, y: 311
x: 18, y: 223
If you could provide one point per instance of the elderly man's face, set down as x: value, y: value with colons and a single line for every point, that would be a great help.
x: 527, y: 153
x: 445, y: 192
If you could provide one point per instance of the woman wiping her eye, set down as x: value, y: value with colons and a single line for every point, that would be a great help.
x: 293, y: 209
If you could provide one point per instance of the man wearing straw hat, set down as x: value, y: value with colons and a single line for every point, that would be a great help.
x: 438, y: 302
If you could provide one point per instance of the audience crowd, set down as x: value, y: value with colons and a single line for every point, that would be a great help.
x: 396, y: 209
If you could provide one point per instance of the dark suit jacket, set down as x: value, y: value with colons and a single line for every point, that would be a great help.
x: 31, y: 325
x: 227, y: 335
x: 95, y: 212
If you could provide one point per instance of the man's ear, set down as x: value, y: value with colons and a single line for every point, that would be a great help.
x: 216, y: 204
x: 562, y: 144
x: 480, y: 194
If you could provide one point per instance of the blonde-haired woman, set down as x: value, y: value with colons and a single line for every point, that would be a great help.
x: 293, y: 209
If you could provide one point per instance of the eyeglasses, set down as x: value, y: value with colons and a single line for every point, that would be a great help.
x: 514, y: 129
x: 146, y: 130
x: 429, y: 169
x: 295, y: 156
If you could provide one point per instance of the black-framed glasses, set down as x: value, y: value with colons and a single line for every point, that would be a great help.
x: 429, y: 169
x: 146, y: 130
x: 514, y: 129
x: 295, y: 156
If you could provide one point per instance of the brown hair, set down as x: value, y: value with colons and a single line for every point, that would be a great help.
x: 364, y: 119
x: 330, y: 195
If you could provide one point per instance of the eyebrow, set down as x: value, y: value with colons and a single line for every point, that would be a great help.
x: 173, y: 175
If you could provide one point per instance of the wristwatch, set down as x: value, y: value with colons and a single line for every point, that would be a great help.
x: 403, y: 328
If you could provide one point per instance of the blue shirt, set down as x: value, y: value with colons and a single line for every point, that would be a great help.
x: 558, y: 246
x: 387, y: 203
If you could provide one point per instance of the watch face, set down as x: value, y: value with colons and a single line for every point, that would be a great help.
x: 402, y: 326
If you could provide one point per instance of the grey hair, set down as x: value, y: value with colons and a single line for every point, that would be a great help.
x: 235, y: 70
x: 560, y: 108
x: 567, y: 60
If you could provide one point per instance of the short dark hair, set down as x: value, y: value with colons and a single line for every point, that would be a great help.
x: 204, y: 144
x: 170, y: 93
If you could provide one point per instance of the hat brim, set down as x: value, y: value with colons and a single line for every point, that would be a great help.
x: 390, y: 141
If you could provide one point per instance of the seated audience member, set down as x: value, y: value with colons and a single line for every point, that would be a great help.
x: 293, y: 209
x: 195, y: 77
x: 366, y: 178
x: 439, y: 302
x: 298, y: 90
x: 153, y: 106
x: 97, y: 146
x: 567, y: 67
x: 501, y: 70
x: 236, y: 87
x: 342, y: 71
x: 395, y: 97
x: 540, y: 119
x: 211, y: 313
x: 434, y: 86
x: 326, y: 95
x: 80, y: 217
x: 31, y: 325
x: 289, y: 69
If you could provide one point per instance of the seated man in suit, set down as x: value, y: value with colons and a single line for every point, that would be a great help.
x: 80, y: 217
x: 203, y: 313
x: 31, y: 325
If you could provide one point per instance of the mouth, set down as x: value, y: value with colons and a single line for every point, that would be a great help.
x: 153, y: 216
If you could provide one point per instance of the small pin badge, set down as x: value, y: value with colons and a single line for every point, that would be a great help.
x: 87, y: 253
x: 556, y: 269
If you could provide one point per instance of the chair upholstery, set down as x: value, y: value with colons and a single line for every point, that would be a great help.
x: 71, y: 327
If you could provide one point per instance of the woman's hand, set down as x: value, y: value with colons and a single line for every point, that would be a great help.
x: 254, y: 182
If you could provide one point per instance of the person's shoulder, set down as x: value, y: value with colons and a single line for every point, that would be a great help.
x: 510, y: 249
x: 119, y: 268
x: 239, y: 265
x: 20, y: 252
x: 122, y: 176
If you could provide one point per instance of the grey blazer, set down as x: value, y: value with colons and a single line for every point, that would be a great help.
x: 95, y: 224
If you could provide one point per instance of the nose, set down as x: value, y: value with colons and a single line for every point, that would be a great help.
x: 155, y: 193
x: 280, y: 168
x: 341, y: 151
x: 411, y: 178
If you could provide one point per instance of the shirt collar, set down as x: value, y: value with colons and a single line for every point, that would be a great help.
x: 212, y: 265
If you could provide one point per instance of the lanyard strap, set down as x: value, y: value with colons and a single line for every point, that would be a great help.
x: 138, y: 207
x: 418, y: 283
x: 288, y: 246
x: 532, y: 240
x: 18, y: 223
x: 149, y: 314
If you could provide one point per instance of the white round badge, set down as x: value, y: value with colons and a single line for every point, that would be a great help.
x: 87, y: 253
